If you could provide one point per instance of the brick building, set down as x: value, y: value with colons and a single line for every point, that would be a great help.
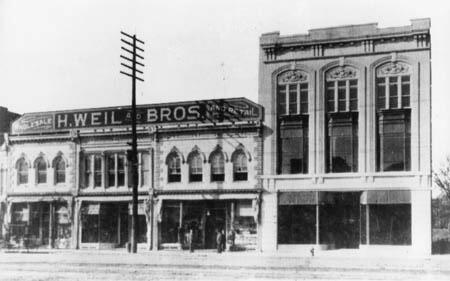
x: 199, y: 162
x: 347, y: 147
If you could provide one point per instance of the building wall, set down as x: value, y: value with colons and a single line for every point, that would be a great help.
x: 363, y: 47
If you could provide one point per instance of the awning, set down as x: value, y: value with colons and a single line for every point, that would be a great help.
x: 32, y: 199
x: 386, y: 197
x: 297, y: 198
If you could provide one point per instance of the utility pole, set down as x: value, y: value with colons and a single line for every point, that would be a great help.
x: 132, y: 154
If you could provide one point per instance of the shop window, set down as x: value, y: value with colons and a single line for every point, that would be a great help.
x: 297, y: 224
x: 239, y: 166
x: 390, y: 224
x: 195, y: 167
x: 170, y: 222
x: 217, y: 167
x: 393, y: 117
x: 145, y: 169
x: 342, y: 120
x: 174, y: 168
x: 41, y: 170
x: 60, y: 170
x: 22, y: 171
x: 292, y: 93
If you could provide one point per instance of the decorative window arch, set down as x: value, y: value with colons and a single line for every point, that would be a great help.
x: 240, y: 170
x: 40, y: 166
x: 217, y: 161
x: 22, y: 167
x: 59, y: 166
x: 393, y: 80
x: 292, y: 92
x: 173, y: 162
x: 195, y: 163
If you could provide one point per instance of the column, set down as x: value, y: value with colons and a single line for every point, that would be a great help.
x: 76, y: 230
x: 269, y: 222
x: 51, y: 222
x: 421, y: 221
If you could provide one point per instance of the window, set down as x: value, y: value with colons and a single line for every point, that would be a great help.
x: 87, y: 170
x: 195, y: 167
x: 390, y: 224
x: 341, y: 88
x: 41, y: 170
x: 97, y: 170
x: 292, y: 92
x: 393, y: 117
x: 173, y: 168
x: 22, y: 171
x: 60, y: 170
x: 217, y: 166
x: 111, y: 162
x: 145, y: 169
x: 239, y: 166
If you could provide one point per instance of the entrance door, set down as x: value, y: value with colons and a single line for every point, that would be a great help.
x: 339, y: 219
x: 215, y: 221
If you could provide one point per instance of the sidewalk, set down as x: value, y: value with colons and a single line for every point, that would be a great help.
x: 343, y: 260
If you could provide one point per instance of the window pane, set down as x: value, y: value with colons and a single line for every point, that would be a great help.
x: 293, y: 99
x: 353, y: 95
x: 240, y: 167
x: 341, y: 96
x: 393, y: 93
x: 294, y: 149
x: 41, y: 171
x: 87, y: 170
x: 390, y: 224
x: 304, y: 98
x: 97, y: 170
x: 217, y: 167
x: 405, y: 91
x: 297, y: 224
x: 111, y: 170
x: 343, y: 145
x: 381, y: 93
x: 174, y: 169
x: 330, y: 96
x: 120, y: 170
x: 282, y: 99
x: 145, y: 168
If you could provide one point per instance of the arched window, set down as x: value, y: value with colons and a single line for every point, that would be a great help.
x: 341, y: 85
x: 217, y: 166
x: 173, y: 168
x: 292, y: 117
x: 60, y: 170
x: 41, y: 170
x: 195, y: 167
x: 239, y: 166
x: 22, y: 171
x: 393, y: 116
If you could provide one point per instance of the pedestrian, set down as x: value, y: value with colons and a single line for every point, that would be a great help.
x: 223, y: 240
x: 191, y: 240
x: 219, y: 241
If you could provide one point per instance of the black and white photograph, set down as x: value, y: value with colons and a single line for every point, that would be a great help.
x: 224, y: 140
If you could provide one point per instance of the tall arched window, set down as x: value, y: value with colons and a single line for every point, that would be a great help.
x: 341, y: 86
x: 195, y: 167
x: 217, y: 166
x: 22, y: 171
x: 292, y: 104
x: 239, y: 166
x: 41, y: 170
x: 60, y: 170
x: 173, y: 168
x: 393, y: 117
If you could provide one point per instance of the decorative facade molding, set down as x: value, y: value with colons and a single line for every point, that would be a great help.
x: 341, y: 72
x: 292, y: 76
x: 393, y: 68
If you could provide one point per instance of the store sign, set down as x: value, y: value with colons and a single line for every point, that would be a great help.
x: 206, y: 111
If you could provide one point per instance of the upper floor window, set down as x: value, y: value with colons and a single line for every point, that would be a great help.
x: 292, y: 143
x: 145, y: 167
x: 97, y: 170
x: 217, y: 166
x: 341, y: 84
x: 60, y: 170
x: 173, y: 168
x: 239, y: 166
x: 41, y: 170
x: 195, y: 167
x: 22, y: 171
x: 292, y: 92
x: 393, y: 86
x: 393, y: 117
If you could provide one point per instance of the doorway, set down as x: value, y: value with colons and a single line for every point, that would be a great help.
x: 215, y: 221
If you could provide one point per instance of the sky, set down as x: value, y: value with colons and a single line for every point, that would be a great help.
x: 57, y: 55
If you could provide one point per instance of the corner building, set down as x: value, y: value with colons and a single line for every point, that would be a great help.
x: 347, y: 139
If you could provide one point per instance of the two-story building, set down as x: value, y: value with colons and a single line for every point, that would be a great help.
x: 199, y: 162
x: 347, y: 140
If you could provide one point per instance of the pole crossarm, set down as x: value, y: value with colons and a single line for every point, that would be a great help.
x: 131, y: 36
x: 131, y: 52
x: 131, y: 44
x: 132, y: 76
x: 131, y: 60
x: 130, y: 67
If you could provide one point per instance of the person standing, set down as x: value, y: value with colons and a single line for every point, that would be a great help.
x: 219, y: 241
x: 191, y: 240
x: 223, y: 240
